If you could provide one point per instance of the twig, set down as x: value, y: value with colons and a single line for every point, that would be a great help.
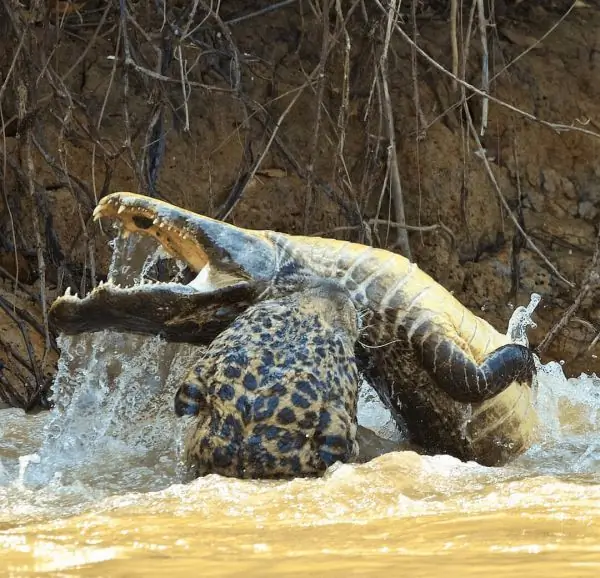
x: 453, y: 40
x: 260, y: 113
x: 343, y: 114
x: 301, y: 172
x: 12, y: 65
x: 184, y: 90
x: 33, y: 368
x: 558, y: 127
x: 517, y: 242
x: 236, y: 57
x: 395, y: 183
x: 488, y: 168
x: 190, y: 20
x: 271, y: 8
x: 384, y: 222
x: 7, y: 391
x: 4, y: 188
x: 537, y: 42
x: 485, y: 70
x: 62, y: 170
x: 19, y: 284
x: 592, y: 281
x: 273, y: 127
x: 417, y: 101
x: 320, y: 74
x: 28, y: 318
x: 593, y: 343
x: 101, y: 114
x: 274, y: 130
x: 129, y: 62
x: 25, y: 101
x: 89, y: 45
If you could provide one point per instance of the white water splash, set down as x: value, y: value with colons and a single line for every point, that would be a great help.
x: 113, y: 429
x: 521, y: 319
x: 113, y: 419
x: 569, y: 411
x: 373, y: 414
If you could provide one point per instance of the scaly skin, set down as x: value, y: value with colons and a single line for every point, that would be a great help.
x: 460, y: 385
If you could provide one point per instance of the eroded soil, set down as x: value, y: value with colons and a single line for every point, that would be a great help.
x: 211, y: 139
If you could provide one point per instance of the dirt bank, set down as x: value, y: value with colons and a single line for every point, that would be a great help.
x: 278, y: 125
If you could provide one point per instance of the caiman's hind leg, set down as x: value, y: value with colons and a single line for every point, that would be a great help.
x: 443, y: 355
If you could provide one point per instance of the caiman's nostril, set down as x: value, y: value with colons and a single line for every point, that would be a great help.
x: 142, y: 222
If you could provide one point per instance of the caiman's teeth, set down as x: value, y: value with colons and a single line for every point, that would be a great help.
x: 76, y: 295
x: 68, y: 292
x: 162, y: 225
x: 121, y: 209
x: 156, y: 221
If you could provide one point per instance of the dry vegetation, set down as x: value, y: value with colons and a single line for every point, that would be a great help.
x: 97, y: 96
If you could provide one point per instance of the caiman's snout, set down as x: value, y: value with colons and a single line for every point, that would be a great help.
x: 194, y: 239
x: 234, y: 266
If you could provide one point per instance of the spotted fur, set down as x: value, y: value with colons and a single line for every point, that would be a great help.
x: 275, y: 394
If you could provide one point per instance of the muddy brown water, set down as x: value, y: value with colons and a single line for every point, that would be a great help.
x: 95, y: 489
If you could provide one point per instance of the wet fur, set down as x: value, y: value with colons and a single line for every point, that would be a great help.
x: 275, y: 394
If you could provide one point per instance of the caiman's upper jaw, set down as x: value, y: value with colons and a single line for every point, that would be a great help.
x: 191, y: 238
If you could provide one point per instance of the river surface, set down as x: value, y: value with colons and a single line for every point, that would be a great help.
x: 95, y: 488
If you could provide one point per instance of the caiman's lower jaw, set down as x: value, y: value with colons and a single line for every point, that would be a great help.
x: 193, y: 313
x: 169, y: 230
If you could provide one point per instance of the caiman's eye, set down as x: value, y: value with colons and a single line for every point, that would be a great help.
x: 142, y: 222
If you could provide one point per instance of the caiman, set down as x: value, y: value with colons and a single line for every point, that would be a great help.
x: 461, y: 387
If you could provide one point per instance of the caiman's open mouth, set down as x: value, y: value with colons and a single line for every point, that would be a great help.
x: 233, y: 266
x: 433, y: 354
